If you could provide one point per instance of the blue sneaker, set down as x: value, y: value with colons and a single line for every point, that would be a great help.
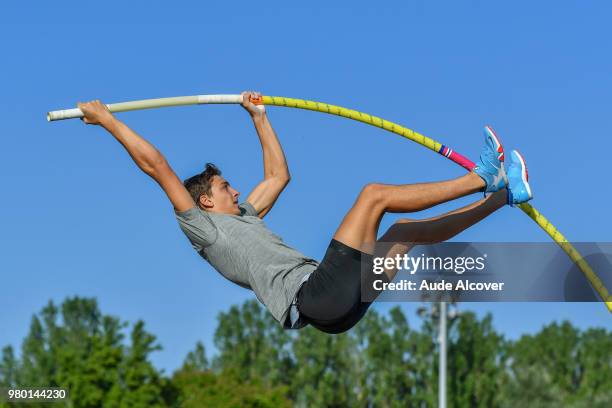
x: 490, y: 166
x: 519, y: 190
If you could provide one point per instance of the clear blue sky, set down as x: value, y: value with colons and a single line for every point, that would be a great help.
x: 78, y: 218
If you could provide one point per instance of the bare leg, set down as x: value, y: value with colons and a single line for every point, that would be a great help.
x: 406, y: 233
x: 360, y: 225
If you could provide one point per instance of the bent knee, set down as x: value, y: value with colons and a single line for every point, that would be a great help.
x: 372, y: 193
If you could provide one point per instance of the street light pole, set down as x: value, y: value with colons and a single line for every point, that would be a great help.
x: 442, y: 362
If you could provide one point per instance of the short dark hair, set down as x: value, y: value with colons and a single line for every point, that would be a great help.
x: 202, y: 183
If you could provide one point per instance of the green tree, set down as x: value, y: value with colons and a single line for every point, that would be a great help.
x: 253, y: 344
x: 381, y: 362
x: 390, y: 373
x: 574, y: 368
x: 554, y: 349
x: 195, y: 389
x: 142, y: 383
x: 8, y: 368
x: 196, y: 359
x: 196, y: 385
x: 325, y: 375
x: 423, y: 357
x: 80, y: 349
x: 594, y: 365
x: 476, y: 358
x: 530, y: 386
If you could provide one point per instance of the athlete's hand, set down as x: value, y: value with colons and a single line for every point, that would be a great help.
x: 254, y: 110
x: 95, y: 113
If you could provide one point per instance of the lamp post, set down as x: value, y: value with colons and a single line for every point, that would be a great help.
x: 442, y: 336
x: 440, y: 311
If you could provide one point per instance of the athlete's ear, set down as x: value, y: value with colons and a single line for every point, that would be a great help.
x: 206, y: 202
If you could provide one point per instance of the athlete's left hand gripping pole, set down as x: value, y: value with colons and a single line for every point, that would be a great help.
x: 152, y: 103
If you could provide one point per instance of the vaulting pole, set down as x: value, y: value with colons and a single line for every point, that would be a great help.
x: 431, y: 144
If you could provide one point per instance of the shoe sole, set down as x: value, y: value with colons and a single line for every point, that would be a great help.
x: 499, y: 147
x: 524, y: 173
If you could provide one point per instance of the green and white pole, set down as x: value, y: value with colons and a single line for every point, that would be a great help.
x: 409, y: 134
x: 442, y: 360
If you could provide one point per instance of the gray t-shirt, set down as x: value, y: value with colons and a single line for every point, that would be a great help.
x: 245, y: 251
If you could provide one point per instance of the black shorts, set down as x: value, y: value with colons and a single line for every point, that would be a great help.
x: 330, y: 299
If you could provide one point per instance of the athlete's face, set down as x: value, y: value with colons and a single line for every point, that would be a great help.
x: 224, y: 199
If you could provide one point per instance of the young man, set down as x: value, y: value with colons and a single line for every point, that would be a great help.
x: 298, y: 290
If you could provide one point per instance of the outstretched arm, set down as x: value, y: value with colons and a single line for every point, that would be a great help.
x: 145, y: 155
x: 276, y: 172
